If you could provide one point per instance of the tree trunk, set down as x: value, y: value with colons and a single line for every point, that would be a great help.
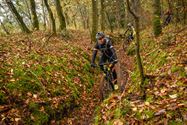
x: 4, y: 28
x: 74, y: 22
x: 102, y: 16
x: 67, y: 18
x: 34, y: 16
x: 60, y: 15
x: 83, y: 20
x: 28, y: 10
x: 156, y: 19
x: 110, y: 22
x: 94, y: 20
x: 51, y: 17
x: 140, y: 66
x: 184, y: 11
x: 117, y: 14
x: 17, y: 16
x: 44, y: 15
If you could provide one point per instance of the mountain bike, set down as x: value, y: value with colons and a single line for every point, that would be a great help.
x: 106, y: 85
x: 126, y: 42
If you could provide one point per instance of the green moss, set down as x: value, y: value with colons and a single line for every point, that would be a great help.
x: 126, y: 108
x: 150, y: 98
x: 40, y: 73
x: 117, y: 113
x: 157, y: 25
x: 131, y: 50
x: 33, y: 106
x: 175, y: 69
x: 180, y: 70
x: 148, y: 113
x: 2, y: 98
x: 97, y: 119
x: 173, y: 122
x: 40, y: 118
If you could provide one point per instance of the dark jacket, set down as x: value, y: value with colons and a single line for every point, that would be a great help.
x: 107, y: 51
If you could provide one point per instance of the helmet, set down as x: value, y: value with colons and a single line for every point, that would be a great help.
x: 100, y: 35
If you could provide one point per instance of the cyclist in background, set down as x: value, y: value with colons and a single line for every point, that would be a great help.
x: 130, y: 32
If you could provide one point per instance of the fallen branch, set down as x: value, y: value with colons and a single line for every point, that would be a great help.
x: 47, y: 40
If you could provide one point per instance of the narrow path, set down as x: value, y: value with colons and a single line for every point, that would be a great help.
x: 84, y: 114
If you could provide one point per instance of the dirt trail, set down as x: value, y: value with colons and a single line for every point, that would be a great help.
x: 84, y: 114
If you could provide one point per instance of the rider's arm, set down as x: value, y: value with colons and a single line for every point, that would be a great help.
x: 94, y: 53
x: 126, y: 32
x: 133, y: 31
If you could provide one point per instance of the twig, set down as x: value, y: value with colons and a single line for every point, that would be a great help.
x: 47, y: 40
x: 177, y: 32
x: 151, y: 52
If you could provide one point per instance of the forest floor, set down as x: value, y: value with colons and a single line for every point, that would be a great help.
x: 43, y: 59
x: 84, y: 115
x: 165, y: 67
x: 66, y: 89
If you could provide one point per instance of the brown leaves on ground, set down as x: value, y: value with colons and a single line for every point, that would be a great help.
x: 166, y: 87
x: 52, y: 64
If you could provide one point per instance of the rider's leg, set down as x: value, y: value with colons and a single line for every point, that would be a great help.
x: 102, y: 60
x: 114, y: 74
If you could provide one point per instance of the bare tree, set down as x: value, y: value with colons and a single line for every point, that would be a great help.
x: 44, y: 15
x: 156, y: 19
x: 94, y: 19
x: 102, y: 16
x: 50, y: 16
x: 34, y: 15
x: 17, y: 16
x: 60, y: 15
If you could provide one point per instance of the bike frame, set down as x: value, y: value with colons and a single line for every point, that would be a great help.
x: 109, y: 76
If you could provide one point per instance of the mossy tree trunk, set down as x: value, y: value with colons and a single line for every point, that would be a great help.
x: 34, y: 15
x: 94, y: 20
x: 139, y: 62
x: 17, y: 16
x: 51, y: 17
x: 60, y: 15
x: 28, y: 10
x: 102, y: 16
x: 44, y: 15
x: 156, y: 18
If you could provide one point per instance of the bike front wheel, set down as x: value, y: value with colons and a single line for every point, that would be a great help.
x: 106, y: 87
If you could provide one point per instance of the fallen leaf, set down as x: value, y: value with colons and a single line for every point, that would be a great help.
x: 173, y: 96
x: 147, y: 103
x: 118, y: 122
x: 35, y: 96
x: 17, y: 119
x: 134, y: 109
x: 162, y: 111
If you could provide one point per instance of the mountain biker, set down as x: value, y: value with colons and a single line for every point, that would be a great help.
x: 130, y: 32
x: 104, y: 45
x: 168, y: 18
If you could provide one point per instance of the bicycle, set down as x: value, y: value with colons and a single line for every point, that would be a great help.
x: 106, y: 85
x: 127, y: 41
